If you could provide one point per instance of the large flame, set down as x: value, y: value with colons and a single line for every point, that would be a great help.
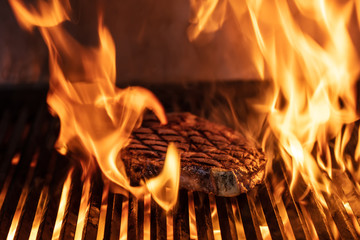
x: 96, y: 117
x: 307, y: 50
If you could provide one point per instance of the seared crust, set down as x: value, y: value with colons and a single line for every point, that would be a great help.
x: 214, y: 158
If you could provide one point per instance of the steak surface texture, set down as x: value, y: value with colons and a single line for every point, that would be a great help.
x: 214, y: 158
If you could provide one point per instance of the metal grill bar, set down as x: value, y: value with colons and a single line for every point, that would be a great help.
x: 203, y: 216
x: 9, y: 146
x: 251, y: 230
x: 74, y: 204
x: 94, y: 205
x: 17, y: 183
x: 226, y: 218
x: 269, y: 212
x: 158, y: 222
x: 181, y: 217
x: 296, y: 218
x: 116, y: 216
x: 133, y: 221
x: 38, y: 195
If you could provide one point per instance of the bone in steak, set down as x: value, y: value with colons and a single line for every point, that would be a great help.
x: 214, y: 158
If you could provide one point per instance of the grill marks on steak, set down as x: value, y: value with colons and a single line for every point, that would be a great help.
x: 214, y: 158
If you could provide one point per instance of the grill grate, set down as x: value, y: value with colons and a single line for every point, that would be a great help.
x: 42, y: 197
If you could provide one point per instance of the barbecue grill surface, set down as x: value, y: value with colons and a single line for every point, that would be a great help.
x: 33, y: 177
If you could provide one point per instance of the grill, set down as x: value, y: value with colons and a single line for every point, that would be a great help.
x: 42, y: 195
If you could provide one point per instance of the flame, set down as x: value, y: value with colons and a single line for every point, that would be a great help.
x: 96, y: 117
x: 164, y: 188
x: 308, y: 51
x: 209, y: 15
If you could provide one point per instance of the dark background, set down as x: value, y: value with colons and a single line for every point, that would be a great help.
x: 151, y: 43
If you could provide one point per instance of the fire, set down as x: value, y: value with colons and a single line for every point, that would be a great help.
x: 96, y: 117
x: 308, y: 51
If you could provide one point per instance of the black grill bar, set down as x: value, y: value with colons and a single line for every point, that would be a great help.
x: 314, y: 210
x: 181, y: 217
x: 94, y: 211
x: 269, y: 212
x: 226, y: 218
x: 5, y: 119
x: 318, y: 217
x: 342, y: 220
x: 292, y: 207
x: 158, y: 222
x: 203, y: 216
x: 140, y: 222
x: 9, y: 146
x: 349, y: 192
x: 61, y: 170
x: 133, y: 221
x: 17, y: 183
x: 116, y: 216
x: 73, y: 208
x: 42, y: 178
x: 251, y: 229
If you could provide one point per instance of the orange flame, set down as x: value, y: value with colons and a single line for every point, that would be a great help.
x: 309, y: 53
x: 208, y: 17
x: 96, y: 117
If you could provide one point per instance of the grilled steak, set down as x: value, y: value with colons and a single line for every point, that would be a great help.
x: 214, y: 158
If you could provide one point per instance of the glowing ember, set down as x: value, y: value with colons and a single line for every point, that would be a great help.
x: 306, y: 48
x: 96, y: 117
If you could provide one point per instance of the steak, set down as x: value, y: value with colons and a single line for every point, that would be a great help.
x: 214, y: 158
